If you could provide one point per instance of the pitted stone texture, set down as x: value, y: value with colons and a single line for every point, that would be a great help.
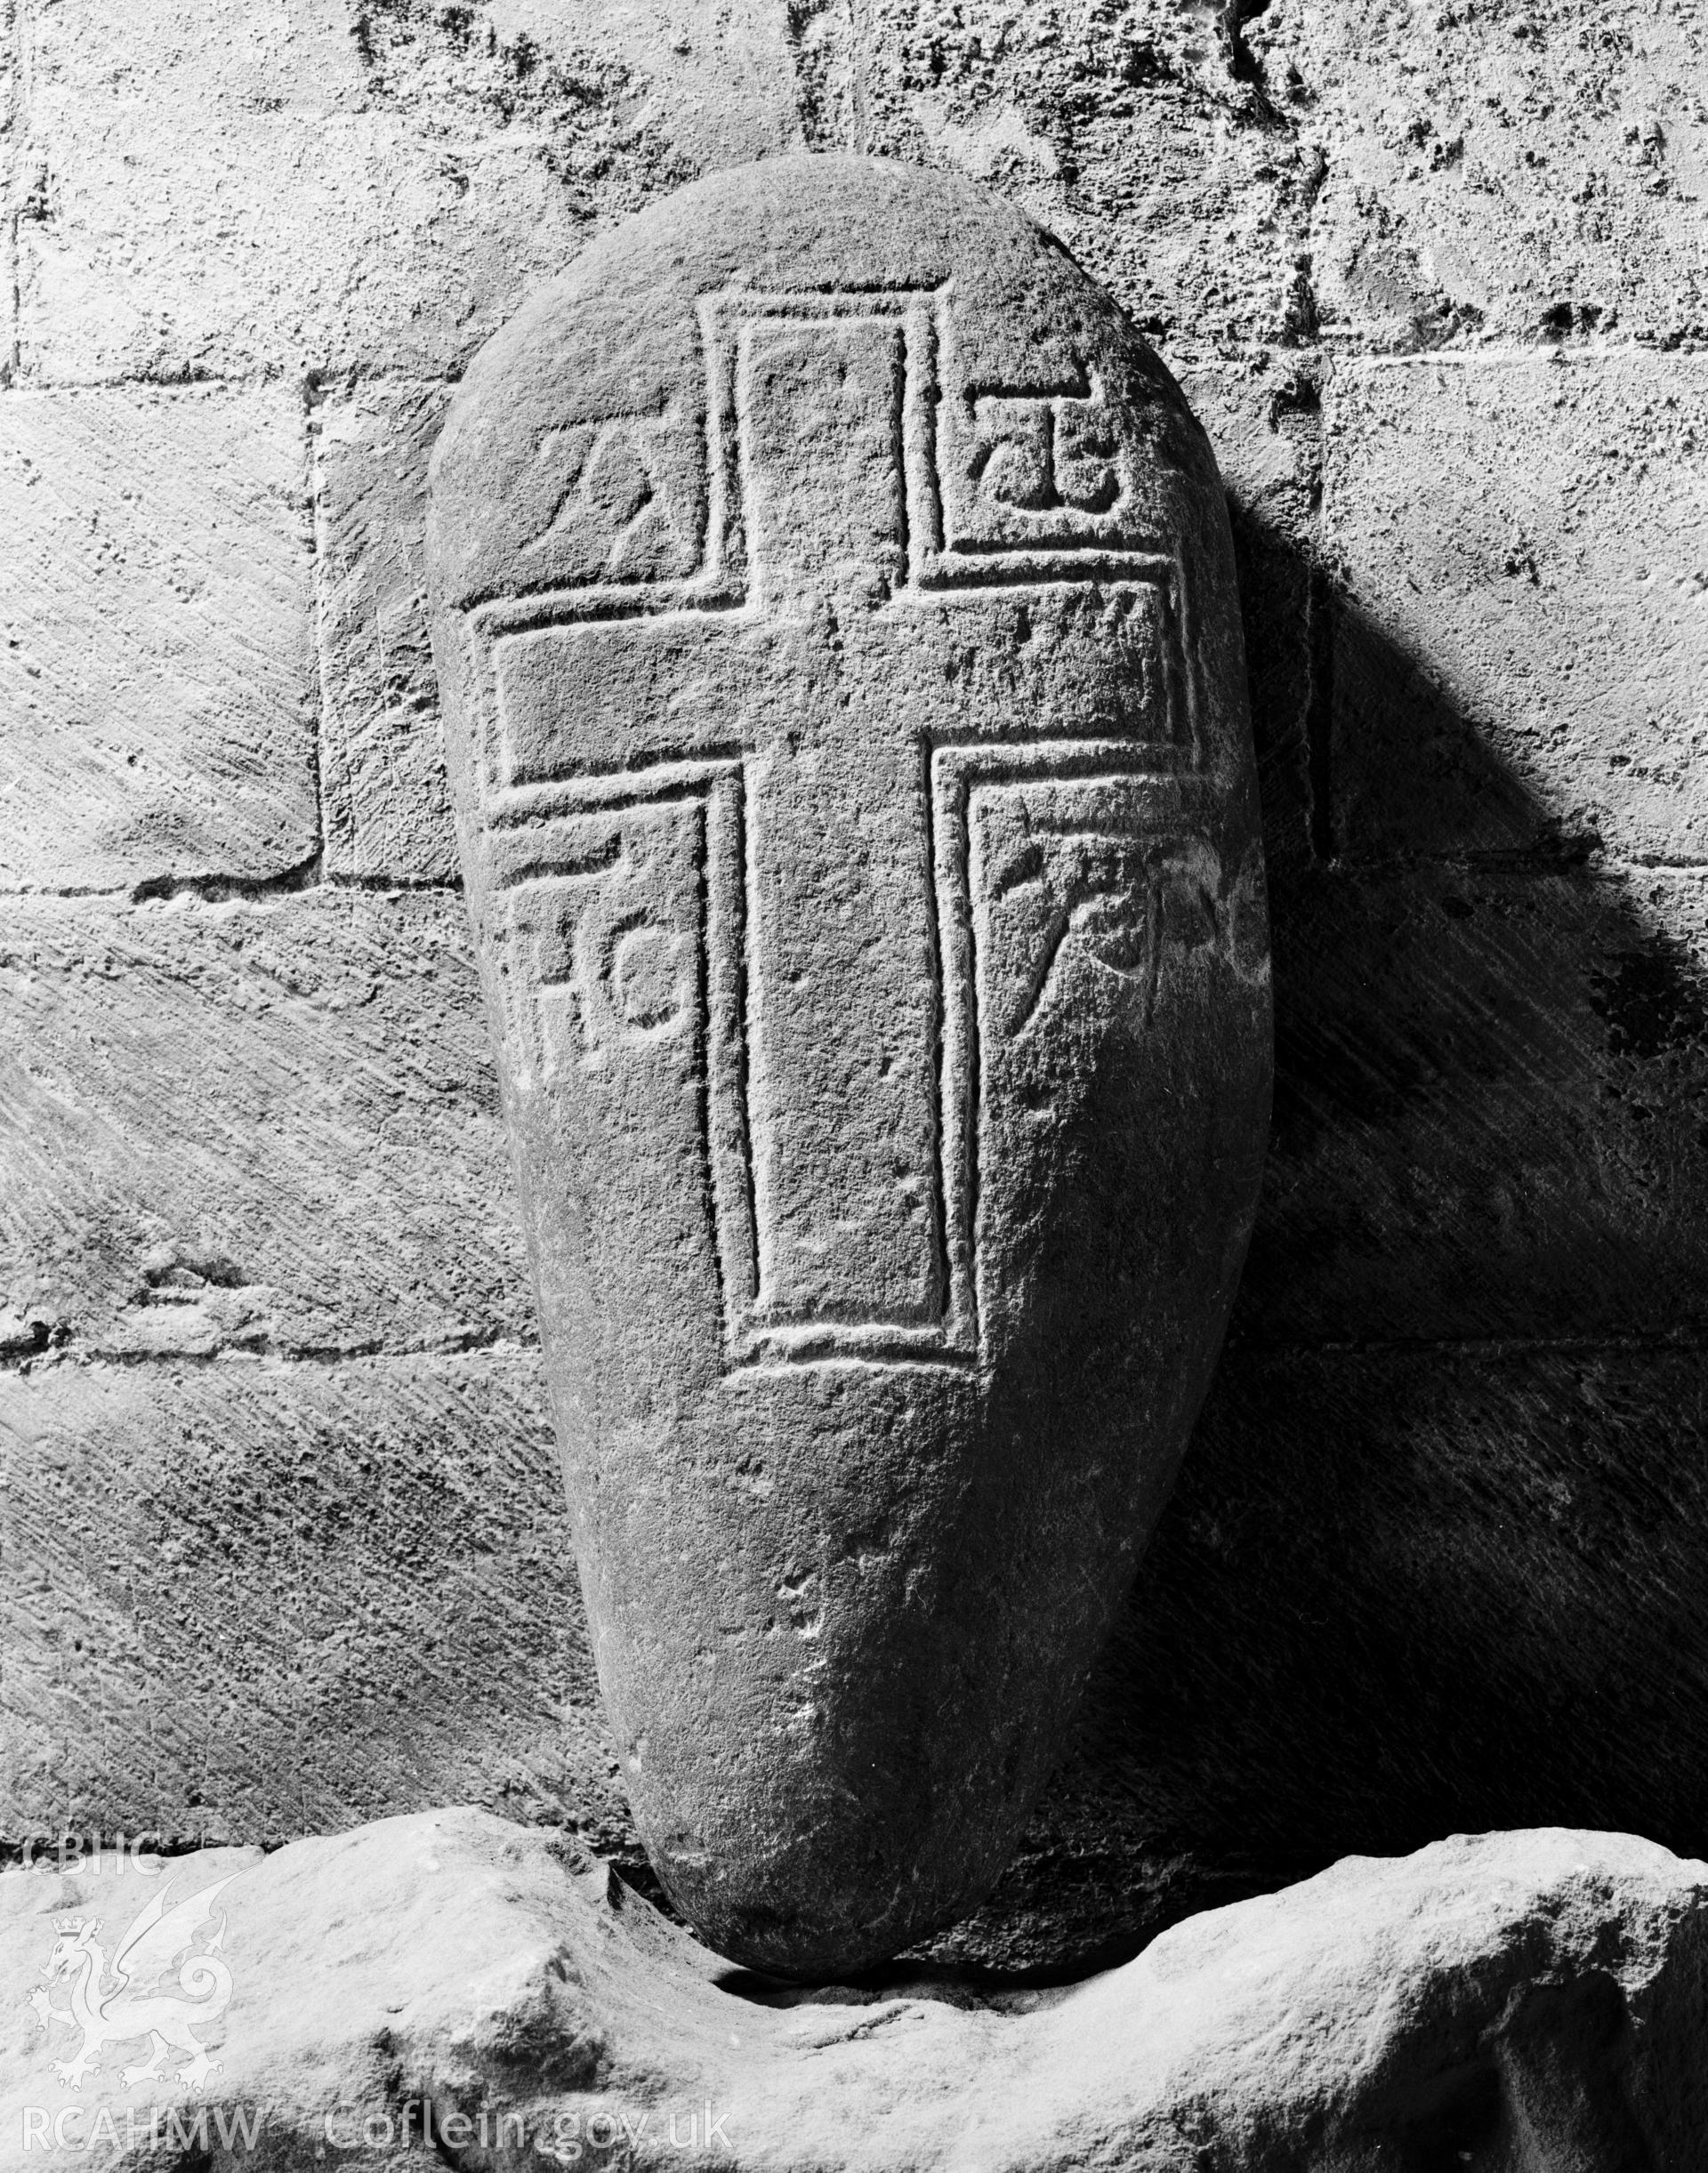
x: 1410, y: 175
x: 1134, y: 133
x: 846, y: 711
x: 251, y: 1600
x: 156, y: 666
x: 212, y: 189
x: 446, y: 1984
x: 232, y: 1126
x: 1528, y: 536
x: 1532, y: 172
x: 627, y: 92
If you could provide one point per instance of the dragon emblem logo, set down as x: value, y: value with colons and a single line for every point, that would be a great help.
x: 131, y: 1999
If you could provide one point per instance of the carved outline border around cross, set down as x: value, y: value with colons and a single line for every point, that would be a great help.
x: 1084, y: 542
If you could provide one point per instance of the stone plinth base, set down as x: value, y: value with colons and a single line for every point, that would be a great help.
x: 448, y: 1986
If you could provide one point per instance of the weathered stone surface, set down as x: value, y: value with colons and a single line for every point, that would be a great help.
x: 255, y: 1600
x: 1524, y: 540
x: 212, y: 189
x: 1404, y: 176
x: 383, y: 771
x: 628, y: 93
x: 1502, y: 172
x: 1135, y: 134
x: 846, y: 716
x: 235, y: 1125
x: 446, y: 1985
x: 156, y: 669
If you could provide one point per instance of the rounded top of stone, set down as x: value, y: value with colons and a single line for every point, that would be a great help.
x: 593, y: 390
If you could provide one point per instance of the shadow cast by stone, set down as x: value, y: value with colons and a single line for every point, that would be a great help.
x: 1438, y: 1556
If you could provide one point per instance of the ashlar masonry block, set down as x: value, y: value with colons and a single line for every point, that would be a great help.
x: 388, y: 809
x: 156, y: 668
x: 258, y: 1600
x: 1262, y: 414
x: 1521, y: 171
x: 1130, y: 133
x: 270, y: 1126
x: 1524, y: 655
x: 214, y: 188
x: 1415, y: 1590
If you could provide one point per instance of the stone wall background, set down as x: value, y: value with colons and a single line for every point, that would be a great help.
x: 281, y: 1547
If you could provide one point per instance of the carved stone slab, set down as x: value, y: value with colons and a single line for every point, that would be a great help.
x: 835, y: 618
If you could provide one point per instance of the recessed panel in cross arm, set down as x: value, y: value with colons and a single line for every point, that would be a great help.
x: 818, y: 405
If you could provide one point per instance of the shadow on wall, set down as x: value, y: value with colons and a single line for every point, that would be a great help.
x: 1437, y: 1559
